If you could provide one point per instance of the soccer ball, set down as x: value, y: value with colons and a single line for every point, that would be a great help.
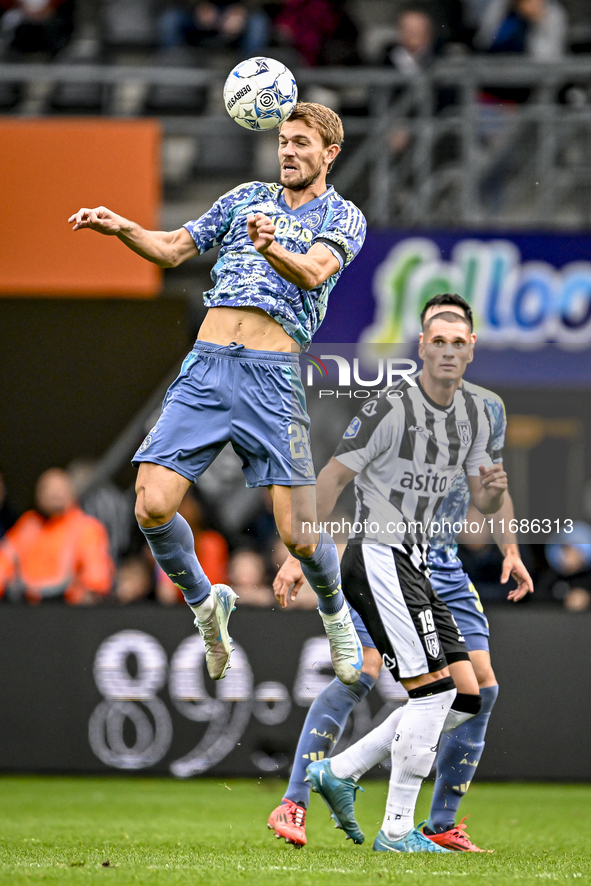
x: 260, y: 93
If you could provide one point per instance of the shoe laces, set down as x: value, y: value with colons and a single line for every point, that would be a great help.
x: 460, y: 828
x: 208, y: 625
x: 340, y: 637
x: 297, y: 814
x: 416, y: 838
x: 459, y: 832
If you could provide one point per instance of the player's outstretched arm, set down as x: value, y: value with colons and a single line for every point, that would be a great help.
x: 306, y: 271
x: 167, y: 249
x: 332, y: 479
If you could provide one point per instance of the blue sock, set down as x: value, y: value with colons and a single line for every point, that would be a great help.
x: 173, y: 547
x: 323, y: 727
x: 457, y: 758
x: 323, y: 572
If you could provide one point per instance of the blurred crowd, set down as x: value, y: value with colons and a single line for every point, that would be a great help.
x: 406, y: 35
x: 80, y: 545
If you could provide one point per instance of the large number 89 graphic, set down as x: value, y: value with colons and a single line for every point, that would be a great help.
x: 132, y: 729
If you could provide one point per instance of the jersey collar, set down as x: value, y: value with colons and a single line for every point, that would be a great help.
x: 432, y: 402
x: 305, y: 207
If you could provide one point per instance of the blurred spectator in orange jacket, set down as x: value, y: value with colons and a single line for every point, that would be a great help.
x: 56, y: 550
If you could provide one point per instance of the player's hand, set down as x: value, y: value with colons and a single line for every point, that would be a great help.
x: 99, y: 219
x: 513, y: 567
x: 493, y: 479
x: 261, y: 231
x: 288, y: 580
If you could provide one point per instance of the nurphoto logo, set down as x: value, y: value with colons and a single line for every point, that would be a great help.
x: 344, y: 373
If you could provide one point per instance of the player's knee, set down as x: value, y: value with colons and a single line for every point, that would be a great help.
x: 486, y: 678
x: 300, y: 540
x: 299, y: 549
x: 482, y: 667
x: 483, y: 670
x: 151, y: 508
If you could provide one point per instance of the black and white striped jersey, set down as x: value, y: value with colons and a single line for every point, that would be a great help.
x: 406, y: 450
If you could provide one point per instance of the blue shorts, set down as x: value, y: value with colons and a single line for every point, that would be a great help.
x: 454, y: 587
x: 252, y: 399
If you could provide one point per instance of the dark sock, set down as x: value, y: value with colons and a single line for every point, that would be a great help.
x: 459, y: 754
x: 323, y: 727
x: 323, y: 573
x: 173, y: 547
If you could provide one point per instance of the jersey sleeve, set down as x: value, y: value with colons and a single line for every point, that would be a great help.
x: 498, y: 423
x: 480, y: 451
x: 373, y: 430
x: 210, y: 229
x: 344, y: 233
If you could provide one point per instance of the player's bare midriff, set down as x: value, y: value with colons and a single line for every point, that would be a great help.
x: 246, y: 326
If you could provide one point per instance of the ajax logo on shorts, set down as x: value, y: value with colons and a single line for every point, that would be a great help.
x: 147, y: 441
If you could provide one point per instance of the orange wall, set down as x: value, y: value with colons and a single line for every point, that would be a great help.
x: 48, y: 170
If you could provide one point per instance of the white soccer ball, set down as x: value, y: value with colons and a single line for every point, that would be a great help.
x: 260, y: 93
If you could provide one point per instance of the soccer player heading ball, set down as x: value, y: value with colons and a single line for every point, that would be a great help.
x: 283, y: 248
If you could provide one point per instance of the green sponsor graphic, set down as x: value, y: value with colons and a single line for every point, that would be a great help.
x: 515, y: 303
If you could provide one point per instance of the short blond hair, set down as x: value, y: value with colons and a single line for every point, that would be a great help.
x: 324, y: 120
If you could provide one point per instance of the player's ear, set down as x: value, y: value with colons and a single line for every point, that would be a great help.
x: 331, y: 153
x: 473, y: 338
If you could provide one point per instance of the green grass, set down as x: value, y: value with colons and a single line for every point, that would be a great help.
x: 152, y: 831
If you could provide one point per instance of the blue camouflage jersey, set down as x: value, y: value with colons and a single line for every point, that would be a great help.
x: 443, y: 552
x: 243, y: 278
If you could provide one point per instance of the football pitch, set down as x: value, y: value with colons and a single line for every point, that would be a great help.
x: 158, y: 831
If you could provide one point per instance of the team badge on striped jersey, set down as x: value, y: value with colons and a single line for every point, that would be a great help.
x: 432, y: 644
x: 464, y: 431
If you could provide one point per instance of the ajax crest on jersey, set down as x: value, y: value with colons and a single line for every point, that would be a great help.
x: 260, y: 93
